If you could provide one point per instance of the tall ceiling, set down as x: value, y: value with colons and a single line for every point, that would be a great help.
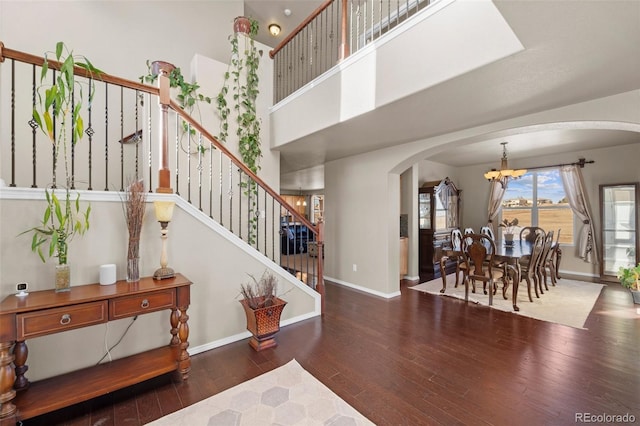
x: 268, y: 12
x: 574, y: 52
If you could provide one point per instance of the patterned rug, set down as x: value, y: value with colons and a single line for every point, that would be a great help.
x: 288, y: 395
x: 568, y: 303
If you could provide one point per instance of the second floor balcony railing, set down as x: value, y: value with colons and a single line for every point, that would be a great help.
x: 337, y: 29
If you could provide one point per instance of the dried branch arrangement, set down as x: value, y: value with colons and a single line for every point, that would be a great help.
x: 260, y: 293
x: 135, y: 202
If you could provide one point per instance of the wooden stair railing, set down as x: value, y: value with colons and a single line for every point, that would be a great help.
x: 246, y: 205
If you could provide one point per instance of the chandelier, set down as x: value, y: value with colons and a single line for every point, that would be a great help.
x: 505, y: 172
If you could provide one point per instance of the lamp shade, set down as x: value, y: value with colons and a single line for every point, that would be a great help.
x: 164, y: 210
x: 505, y: 172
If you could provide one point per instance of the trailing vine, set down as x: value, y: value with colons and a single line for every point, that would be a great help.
x: 241, y: 82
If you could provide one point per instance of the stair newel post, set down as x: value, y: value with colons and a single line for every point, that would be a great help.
x: 163, y: 69
x: 320, y: 284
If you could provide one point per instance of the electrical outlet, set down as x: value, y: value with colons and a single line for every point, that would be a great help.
x: 355, y: 268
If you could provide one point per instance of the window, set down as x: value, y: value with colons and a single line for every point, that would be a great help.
x: 538, y: 199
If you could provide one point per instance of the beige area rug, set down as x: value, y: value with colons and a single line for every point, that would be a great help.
x: 288, y: 395
x: 568, y: 303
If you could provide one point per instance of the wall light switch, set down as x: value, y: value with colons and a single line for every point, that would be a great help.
x: 355, y: 268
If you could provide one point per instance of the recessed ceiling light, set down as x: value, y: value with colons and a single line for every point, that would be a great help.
x: 287, y: 12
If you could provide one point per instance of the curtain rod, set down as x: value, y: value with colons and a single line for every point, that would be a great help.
x: 581, y: 162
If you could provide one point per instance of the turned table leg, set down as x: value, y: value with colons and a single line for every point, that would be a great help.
x: 174, y: 319
x: 7, y: 378
x: 184, y: 361
x: 20, y: 352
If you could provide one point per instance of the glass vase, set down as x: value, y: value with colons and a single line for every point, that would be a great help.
x: 133, y: 269
x: 63, y: 278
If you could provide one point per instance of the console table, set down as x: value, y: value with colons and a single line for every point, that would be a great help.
x: 47, y: 312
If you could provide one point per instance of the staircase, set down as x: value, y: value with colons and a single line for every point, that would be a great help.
x: 136, y: 131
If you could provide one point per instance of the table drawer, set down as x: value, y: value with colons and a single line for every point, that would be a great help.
x: 142, y: 304
x: 40, y: 323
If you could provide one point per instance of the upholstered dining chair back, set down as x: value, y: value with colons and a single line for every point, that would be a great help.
x: 529, y: 233
x: 456, y: 239
x: 486, y: 230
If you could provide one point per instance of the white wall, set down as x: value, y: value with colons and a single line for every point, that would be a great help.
x: 215, y: 262
x: 118, y: 37
x: 360, y: 199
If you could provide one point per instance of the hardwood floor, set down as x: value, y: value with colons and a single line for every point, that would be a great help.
x: 420, y: 359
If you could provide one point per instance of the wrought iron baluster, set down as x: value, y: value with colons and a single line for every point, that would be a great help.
x: 188, y: 153
x: 177, y: 141
x: 138, y: 135
x: 121, y: 139
x: 73, y: 142
x: 54, y: 146
x: 221, y: 219
x: 106, y: 136
x: 230, y: 196
x: 89, y: 132
x: 13, y: 123
x: 34, y: 126
x: 150, y: 145
x: 200, y: 171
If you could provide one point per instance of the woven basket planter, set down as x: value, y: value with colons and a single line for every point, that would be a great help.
x: 263, y: 323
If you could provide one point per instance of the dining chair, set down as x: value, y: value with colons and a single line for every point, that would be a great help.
x: 550, y: 262
x: 556, y: 255
x: 529, y: 233
x: 486, y: 230
x: 455, y: 255
x: 468, y: 231
x: 529, y: 265
x: 478, y: 252
x: 542, y: 265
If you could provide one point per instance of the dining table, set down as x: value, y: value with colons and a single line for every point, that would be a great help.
x: 509, y: 254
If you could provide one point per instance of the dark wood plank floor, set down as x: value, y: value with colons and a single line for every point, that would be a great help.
x: 421, y: 359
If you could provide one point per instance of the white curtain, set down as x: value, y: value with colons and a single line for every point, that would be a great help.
x: 574, y: 188
x: 498, y: 188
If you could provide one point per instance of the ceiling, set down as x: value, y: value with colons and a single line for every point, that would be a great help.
x: 574, y: 52
x: 267, y: 12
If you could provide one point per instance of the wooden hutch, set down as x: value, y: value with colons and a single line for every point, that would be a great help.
x: 438, y: 215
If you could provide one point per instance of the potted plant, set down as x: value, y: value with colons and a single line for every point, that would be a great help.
x: 61, y: 106
x: 241, y: 83
x: 263, y: 309
x: 135, y: 203
x: 630, y: 278
x: 509, y: 227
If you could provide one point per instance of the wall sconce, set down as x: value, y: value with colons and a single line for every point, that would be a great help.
x: 274, y: 29
x: 164, y: 213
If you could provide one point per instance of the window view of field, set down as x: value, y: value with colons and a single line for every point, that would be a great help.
x: 545, y: 207
x: 548, y: 219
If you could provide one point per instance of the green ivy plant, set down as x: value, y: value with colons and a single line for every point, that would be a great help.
x: 241, y: 82
x: 188, y: 96
x: 61, y: 104
x: 630, y: 277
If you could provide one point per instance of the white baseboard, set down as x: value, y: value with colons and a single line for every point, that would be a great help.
x: 244, y: 335
x: 363, y: 289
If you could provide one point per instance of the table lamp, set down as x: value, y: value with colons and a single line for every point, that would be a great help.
x: 164, y: 212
